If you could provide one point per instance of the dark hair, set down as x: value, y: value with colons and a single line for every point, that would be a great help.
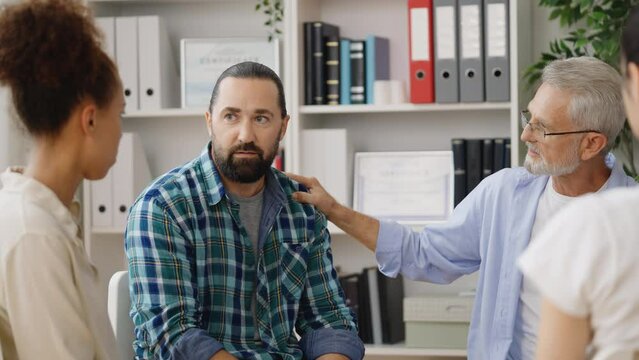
x: 630, y: 38
x: 51, y: 59
x: 251, y: 70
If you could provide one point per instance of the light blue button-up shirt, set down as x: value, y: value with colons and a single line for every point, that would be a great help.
x: 487, y: 231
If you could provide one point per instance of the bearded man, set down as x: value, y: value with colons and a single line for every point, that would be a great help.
x: 569, y: 128
x: 223, y: 264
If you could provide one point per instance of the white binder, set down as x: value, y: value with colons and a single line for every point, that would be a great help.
x: 328, y: 156
x: 497, y: 60
x: 471, y: 51
x: 158, y: 72
x: 446, y: 57
x: 107, y: 26
x: 130, y: 176
x: 126, y: 53
x: 102, y: 201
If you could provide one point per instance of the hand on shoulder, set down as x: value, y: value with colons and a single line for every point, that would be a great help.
x: 316, y: 194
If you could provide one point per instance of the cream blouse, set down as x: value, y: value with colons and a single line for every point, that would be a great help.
x: 49, y: 303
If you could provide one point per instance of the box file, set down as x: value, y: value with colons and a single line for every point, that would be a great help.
x: 130, y: 176
x: 471, y: 51
x: 126, y: 54
x: 497, y: 60
x: 420, y: 34
x: 446, y: 57
x: 102, y: 201
x: 377, y: 64
x: 157, y: 69
x: 107, y: 26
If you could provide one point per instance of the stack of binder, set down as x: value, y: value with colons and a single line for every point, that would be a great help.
x: 140, y: 47
x: 462, y: 55
x: 476, y: 159
x: 112, y: 196
x: 339, y: 70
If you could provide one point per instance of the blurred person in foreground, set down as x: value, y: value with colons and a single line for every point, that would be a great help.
x: 68, y: 95
x: 586, y: 262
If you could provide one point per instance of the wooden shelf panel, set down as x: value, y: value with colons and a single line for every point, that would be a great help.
x: 165, y: 113
x: 351, y: 109
x: 402, y: 350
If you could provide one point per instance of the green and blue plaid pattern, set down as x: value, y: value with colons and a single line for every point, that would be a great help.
x: 191, y: 265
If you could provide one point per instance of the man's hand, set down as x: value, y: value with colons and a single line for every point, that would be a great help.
x: 316, y: 194
x: 362, y: 227
x: 223, y: 355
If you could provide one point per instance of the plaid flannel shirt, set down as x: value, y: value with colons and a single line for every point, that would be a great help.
x: 192, y: 273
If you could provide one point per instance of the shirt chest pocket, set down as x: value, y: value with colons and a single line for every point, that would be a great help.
x: 293, y: 268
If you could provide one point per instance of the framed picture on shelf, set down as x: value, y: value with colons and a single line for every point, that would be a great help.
x: 412, y: 186
x: 203, y: 60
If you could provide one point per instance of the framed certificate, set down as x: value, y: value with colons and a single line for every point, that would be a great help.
x: 412, y: 187
x: 203, y: 60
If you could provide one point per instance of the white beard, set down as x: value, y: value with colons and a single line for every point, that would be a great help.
x: 567, y: 165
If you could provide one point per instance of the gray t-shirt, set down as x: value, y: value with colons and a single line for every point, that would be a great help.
x: 250, y: 216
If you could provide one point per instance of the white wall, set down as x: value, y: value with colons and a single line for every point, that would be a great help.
x: 4, y: 131
x: 13, y: 143
x: 544, y: 31
x: 12, y: 140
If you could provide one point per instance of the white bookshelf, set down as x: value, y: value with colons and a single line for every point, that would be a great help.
x: 399, y: 127
x: 358, y: 18
x: 107, y: 231
x: 402, y: 350
x: 172, y: 137
x: 176, y: 114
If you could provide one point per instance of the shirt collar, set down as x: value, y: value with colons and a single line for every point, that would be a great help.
x: 39, y: 194
x: 214, y: 188
x: 618, y: 176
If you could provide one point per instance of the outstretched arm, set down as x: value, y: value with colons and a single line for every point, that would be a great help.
x: 360, y: 226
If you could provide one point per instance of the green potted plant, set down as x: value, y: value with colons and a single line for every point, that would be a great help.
x: 274, y: 11
x: 595, y: 31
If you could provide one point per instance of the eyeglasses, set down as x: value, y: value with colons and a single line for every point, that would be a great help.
x: 537, y: 129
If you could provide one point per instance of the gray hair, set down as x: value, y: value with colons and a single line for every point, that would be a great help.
x: 595, y: 86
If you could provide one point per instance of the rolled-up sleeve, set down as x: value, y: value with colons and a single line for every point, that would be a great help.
x: 164, y: 303
x: 326, y: 341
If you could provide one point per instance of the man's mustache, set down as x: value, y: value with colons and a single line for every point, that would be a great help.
x: 532, y: 147
x: 247, y: 147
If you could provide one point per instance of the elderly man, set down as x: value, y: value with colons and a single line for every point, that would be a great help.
x: 223, y: 264
x: 569, y: 127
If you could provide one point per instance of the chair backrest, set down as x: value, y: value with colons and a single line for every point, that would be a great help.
x: 118, y: 309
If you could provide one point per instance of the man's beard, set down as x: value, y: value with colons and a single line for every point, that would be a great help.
x: 564, y: 166
x: 244, y: 171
